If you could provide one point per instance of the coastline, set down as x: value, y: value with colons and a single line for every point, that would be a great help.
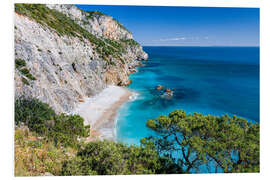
x: 100, y: 111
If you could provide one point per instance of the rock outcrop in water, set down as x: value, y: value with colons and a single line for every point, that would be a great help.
x: 165, y: 92
x: 64, y: 54
x: 159, y: 87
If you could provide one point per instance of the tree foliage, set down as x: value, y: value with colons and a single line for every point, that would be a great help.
x: 110, y: 158
x: 33, y: 113
x: 184, y: 143
x: 231, y: 144
x: 40, y: 118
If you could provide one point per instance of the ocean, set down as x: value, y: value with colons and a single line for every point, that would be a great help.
x: 208, y: 80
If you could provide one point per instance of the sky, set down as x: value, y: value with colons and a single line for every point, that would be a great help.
x: 186, y: 26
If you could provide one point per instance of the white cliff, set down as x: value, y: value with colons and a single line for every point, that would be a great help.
x: 67, y: 64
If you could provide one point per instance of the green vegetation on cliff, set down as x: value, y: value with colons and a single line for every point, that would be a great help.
x: 62, y: 129
x: 92, y: 14
x: 130, y: 42
x: 121, y: 25
x: 20, y: 65
x: 27, y: 73
x: 64, y: 25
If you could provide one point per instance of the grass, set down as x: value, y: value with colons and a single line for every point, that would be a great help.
x: 44, y: 139
x: 34, y: 155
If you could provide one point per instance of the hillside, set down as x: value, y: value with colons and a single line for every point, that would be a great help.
x: 64, y: 54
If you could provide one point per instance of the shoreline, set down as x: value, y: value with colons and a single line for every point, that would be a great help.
x: 100, y: 111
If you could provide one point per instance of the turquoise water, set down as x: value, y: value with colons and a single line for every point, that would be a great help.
x: 209, y: 80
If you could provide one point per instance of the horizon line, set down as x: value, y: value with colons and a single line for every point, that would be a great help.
x: 196, y: 46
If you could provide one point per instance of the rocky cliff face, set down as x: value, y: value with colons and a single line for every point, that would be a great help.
x: 63, y: 54
x: 95, y: 22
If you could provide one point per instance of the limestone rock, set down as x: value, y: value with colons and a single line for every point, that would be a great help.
x: 159, y: 87
x: 67, y: 68
x: 168, y: 90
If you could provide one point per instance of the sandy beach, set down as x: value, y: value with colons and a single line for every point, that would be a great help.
x: 100, y: 111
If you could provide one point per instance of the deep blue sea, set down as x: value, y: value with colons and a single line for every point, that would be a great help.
x: 209, y: 80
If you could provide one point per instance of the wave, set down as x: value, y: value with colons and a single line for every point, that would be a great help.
x: 132, y: 98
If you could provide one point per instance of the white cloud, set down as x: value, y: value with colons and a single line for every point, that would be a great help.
x: 184, y: 39
x: 174, y: 39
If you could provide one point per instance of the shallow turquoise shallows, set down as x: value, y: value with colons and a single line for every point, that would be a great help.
x: 209, y: 80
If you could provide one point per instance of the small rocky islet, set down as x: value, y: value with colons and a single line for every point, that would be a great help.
x: 164, y: 91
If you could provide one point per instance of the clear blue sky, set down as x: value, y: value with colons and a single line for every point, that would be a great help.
x: 187, y: 26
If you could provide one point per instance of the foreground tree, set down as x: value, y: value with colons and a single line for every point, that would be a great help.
x: 111, y: 158
x: 217, y: 144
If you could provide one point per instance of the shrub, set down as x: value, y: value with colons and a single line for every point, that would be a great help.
x: 34, y: 157
x: 40, y: 118
x: 67, y: 129
x: 24, y: 71
x: 19, y: 63
x: 122, y: 61
x: 105, y: 157
x: 130, y: 42
x: 30, y: 76
x: 85, y: 22
x: 108, y: 158
x: 25, y: 81
x: 33, y: 113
